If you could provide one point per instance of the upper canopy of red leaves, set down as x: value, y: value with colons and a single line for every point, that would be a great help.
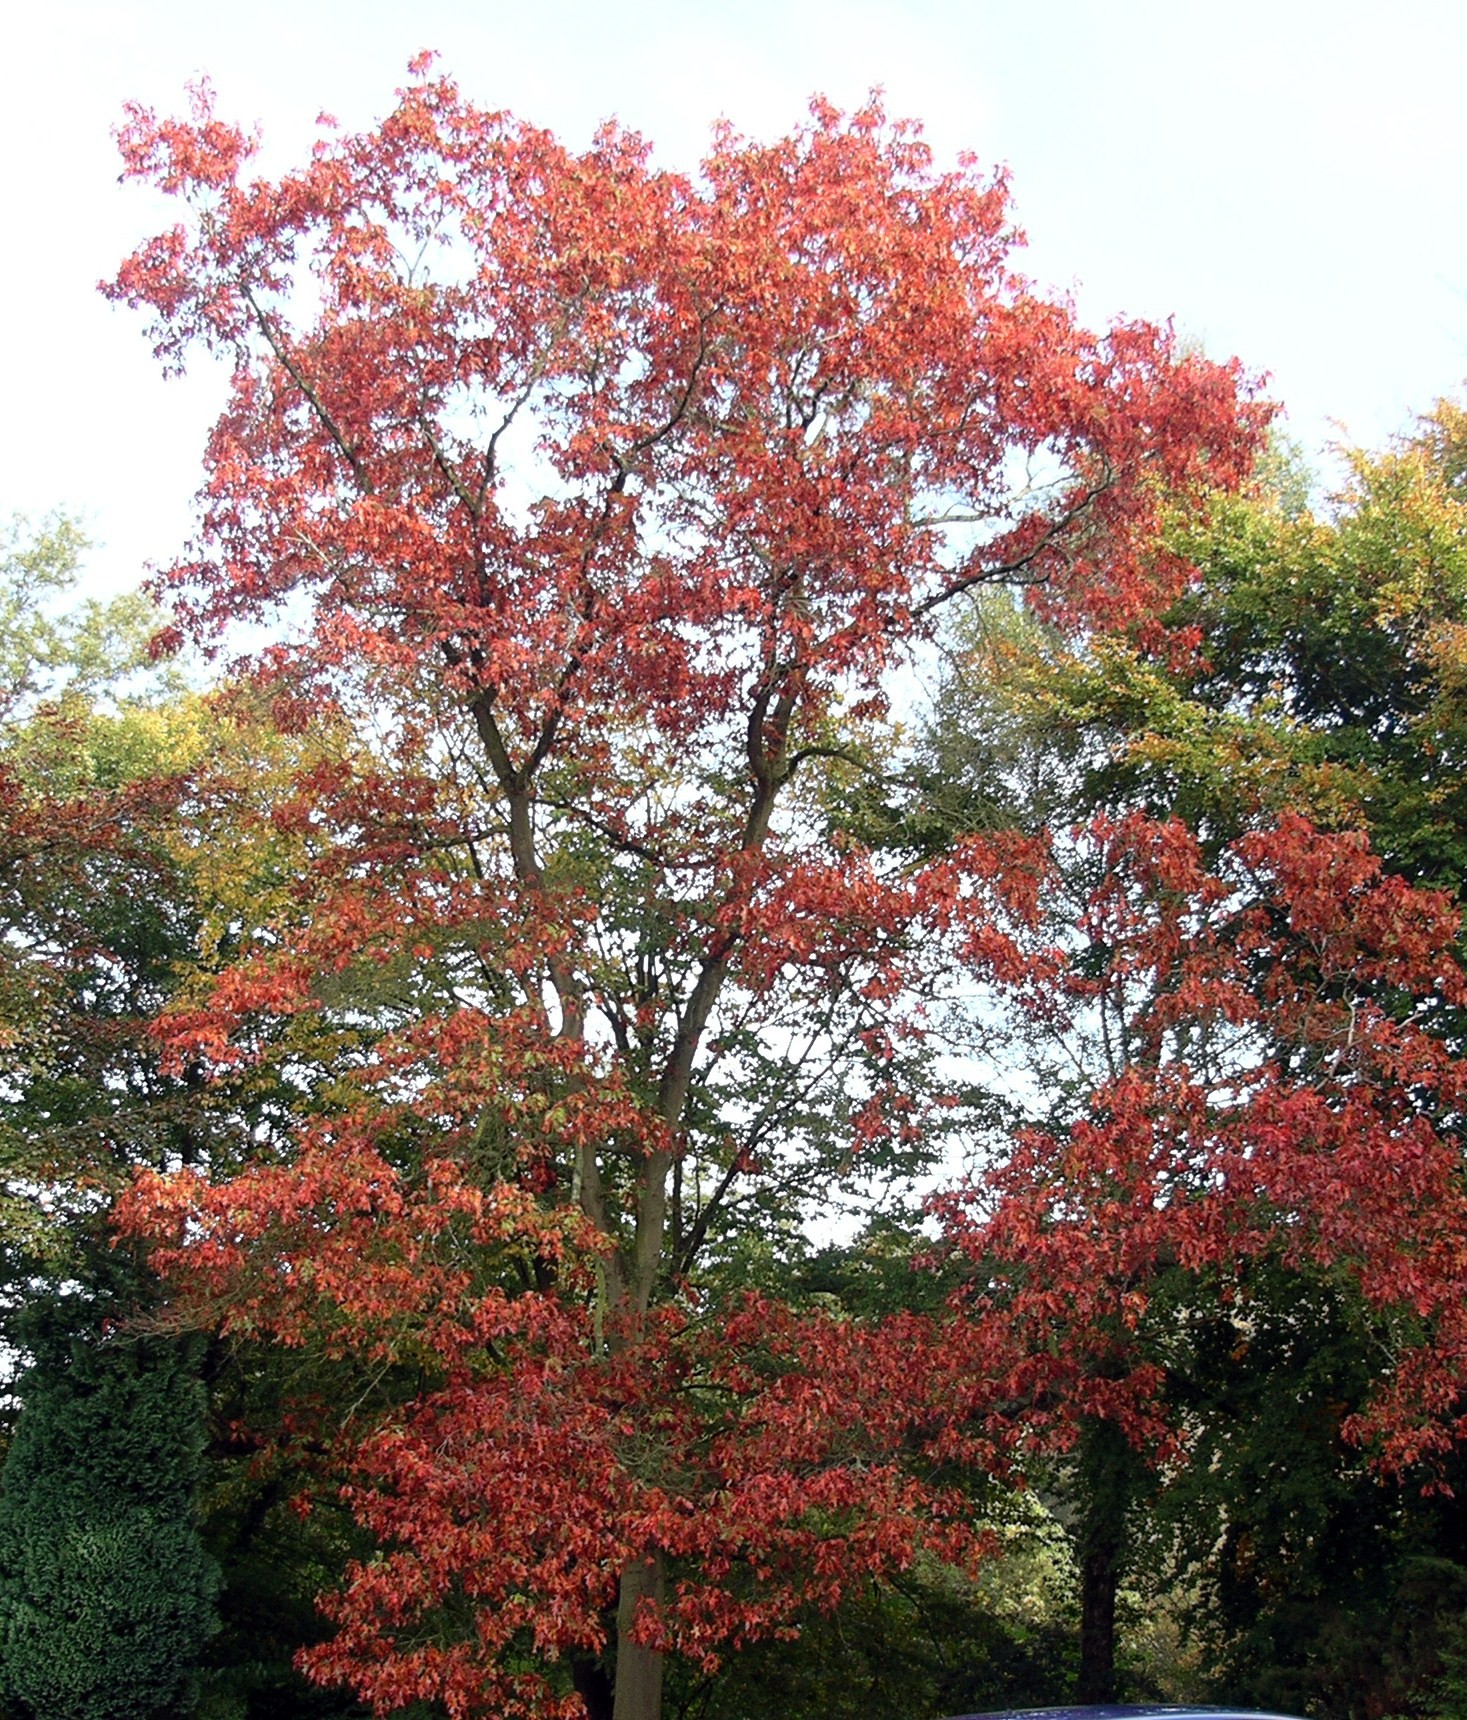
x: 552, y: 408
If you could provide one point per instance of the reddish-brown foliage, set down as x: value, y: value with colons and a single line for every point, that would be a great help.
x: 606, y: 500
x: 1272, y: 1082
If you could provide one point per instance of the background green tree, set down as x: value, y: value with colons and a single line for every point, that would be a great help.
x: 124, y: 871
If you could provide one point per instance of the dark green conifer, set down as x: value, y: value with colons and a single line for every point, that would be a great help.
x: 106, y: 1593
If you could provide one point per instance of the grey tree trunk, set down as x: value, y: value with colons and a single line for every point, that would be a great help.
x: 638, y: 1669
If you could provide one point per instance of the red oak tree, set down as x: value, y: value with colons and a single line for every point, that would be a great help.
x: 605, y: 501
x: 1263, y: 1082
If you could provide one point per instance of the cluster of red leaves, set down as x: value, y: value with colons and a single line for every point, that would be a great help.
x: 815, y: 366
x: 768, y: 1480
x: 1284, y: 1096
x: 1282, y: 1090
x: 759, y: 1450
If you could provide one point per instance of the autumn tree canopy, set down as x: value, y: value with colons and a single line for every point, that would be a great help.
x: 600, y: 503
x: 1240, y: 1186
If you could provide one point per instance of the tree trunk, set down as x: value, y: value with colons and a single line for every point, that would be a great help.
x: 593, y: 1686
x: 1107, y: 1466
x: 1098, y: 1578
x: 638, y: 1669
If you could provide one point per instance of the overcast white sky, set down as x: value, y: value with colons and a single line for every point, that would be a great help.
x: 1284, y: 177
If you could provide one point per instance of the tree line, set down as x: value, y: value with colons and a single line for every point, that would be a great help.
x: 441, y: 1016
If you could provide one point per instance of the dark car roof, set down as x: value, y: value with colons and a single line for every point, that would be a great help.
x: 1126, y: 1711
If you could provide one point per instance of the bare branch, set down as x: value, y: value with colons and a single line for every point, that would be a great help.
x: 292, y: 368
